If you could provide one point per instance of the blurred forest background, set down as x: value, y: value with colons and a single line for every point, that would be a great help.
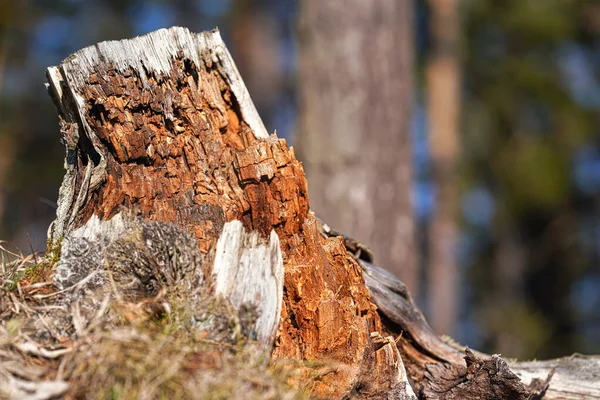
x: 499, y: 130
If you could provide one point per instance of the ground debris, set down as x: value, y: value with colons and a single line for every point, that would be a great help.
x: 483, y: 378
x: 128, y: 317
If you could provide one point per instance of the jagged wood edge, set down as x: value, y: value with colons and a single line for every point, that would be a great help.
x: 151, y: 53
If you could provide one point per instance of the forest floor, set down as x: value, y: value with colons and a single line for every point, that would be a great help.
x: 143, y: 349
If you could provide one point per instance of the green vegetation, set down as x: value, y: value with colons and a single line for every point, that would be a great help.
x: 22, y: 269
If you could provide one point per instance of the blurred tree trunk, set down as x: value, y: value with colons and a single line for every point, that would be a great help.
x: 443, y: 107
x: 355, y: 85
x: 6, y: 151
x: 6, y: 160
x: 254, y: 32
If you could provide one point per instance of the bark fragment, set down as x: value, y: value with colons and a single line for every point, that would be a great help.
x: 489, y: 378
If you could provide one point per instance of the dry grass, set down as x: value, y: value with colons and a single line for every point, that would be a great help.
x: 148, y: 349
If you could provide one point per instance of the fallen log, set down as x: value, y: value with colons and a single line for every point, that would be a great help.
x: 174, y: 191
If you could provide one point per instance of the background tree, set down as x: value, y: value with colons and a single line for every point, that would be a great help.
x: 442, y: 86
x: 355, y: 94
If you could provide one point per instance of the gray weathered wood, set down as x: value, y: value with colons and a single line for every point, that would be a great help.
x: 249, y: 270
x: 395, y: 302
x: 574, y: 377
x: 570, y: 378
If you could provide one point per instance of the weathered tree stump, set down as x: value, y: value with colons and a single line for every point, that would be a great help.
x: 165, y: 146
x: 164, y: 125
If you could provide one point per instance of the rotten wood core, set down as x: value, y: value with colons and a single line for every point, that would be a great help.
x: 163, y: 124
x: 178, y: 139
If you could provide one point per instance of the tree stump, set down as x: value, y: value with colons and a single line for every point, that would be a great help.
x: 172, y: 179
x: 163, y: 124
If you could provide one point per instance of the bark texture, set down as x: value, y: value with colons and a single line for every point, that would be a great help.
x: 164, y: 125
x: 355, y: 69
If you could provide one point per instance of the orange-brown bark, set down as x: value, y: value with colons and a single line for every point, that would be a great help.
x: 199, y: 162
x: 177, y: 148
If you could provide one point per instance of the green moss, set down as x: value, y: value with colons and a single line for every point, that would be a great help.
x: 53, y: 249
x: 13, y: 325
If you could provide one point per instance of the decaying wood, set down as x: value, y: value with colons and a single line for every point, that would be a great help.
x: 488, y: 378
x: 395, y: 302
x: 575, y: 377
x: 172, y: 183
x: 164, y: 125
x: 247, y: 270
x: 436, y: 367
